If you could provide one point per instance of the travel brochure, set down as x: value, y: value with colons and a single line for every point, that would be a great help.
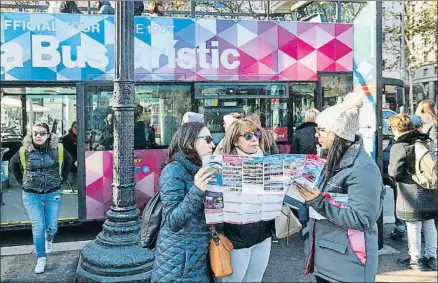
x: 248, y: 189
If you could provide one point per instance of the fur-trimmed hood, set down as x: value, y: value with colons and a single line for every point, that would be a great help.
x: 27, y: 142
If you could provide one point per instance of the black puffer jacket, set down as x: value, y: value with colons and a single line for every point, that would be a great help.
x: 42, y: 168
x: 304, y: 141
x: 414, y: 203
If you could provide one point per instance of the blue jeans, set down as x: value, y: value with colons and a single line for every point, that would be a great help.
x: 43, y: 211
x: 250, y: 264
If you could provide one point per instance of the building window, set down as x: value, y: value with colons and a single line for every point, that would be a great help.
x: 436, y: 68
x: 425, y: 72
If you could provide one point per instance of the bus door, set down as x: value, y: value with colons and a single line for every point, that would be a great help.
x: 21, y: 108
x: 268, y: 100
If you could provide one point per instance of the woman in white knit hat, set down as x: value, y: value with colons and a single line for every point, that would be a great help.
x: 347, y: 203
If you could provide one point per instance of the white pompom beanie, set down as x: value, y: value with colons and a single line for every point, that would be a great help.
x: 343, y: 119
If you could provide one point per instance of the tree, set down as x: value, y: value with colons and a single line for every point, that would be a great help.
x: 392, y: 35
x: 421, y: 37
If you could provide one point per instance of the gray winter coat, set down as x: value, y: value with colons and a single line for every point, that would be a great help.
x: 42, y: 168
x: 414, y: 203
x: 182, y: 246
x: 343, y: 247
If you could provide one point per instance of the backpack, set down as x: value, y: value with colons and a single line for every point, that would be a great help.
x: 151, y: 222
x: 22, y: 154
x: 425, y: 165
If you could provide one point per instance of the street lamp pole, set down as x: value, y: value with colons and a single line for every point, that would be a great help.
x: 116, y: 255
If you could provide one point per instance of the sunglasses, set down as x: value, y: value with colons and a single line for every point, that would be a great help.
x: 208, y: 139
x: 42, y: 134
x: 248, y: 136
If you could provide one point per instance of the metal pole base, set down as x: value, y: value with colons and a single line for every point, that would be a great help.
x: 116, y: 255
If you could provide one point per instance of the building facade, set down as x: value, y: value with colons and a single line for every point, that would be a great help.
x: 426, y: 77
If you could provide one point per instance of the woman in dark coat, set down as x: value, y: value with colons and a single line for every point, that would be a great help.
x: 181, y: 253
x: 304, y: 141
x: 415, y: 205
x: 70, y: 143
x: 41, y: 170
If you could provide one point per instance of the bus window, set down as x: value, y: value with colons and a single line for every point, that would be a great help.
x: 158, y: 114
x: 335, y: 87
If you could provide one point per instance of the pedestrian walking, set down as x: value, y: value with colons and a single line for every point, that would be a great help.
x: 342, y: 236
x: 415, y: 205
x: 304, y: 140
x: 41, y: 166
x: 181, y: 253
x: 251, y: 242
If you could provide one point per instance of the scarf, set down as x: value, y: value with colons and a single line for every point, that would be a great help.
x: 73, y: 136
x: 259, y: 153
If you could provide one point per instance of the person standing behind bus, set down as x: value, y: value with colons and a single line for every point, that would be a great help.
x: 342, y: 237
x: 304, y: 140
x: 41, y: 166
x: 251, y: 242
x: 181, y: 253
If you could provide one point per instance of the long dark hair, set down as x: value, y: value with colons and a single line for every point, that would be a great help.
x: 184, y: 141
x: 334, y: 156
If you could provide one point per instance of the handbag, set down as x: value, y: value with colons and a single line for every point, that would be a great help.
x: 220, y: 254
x: 151, y: 222
x: 286, y: 224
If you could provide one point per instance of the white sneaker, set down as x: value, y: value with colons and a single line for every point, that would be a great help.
x: 41, y: 265
x: 49, y: 246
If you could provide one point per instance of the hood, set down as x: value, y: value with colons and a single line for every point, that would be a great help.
x: 411, y: 137
x: 27, y: 142
x: 352, y: 152
x: 306, y: 125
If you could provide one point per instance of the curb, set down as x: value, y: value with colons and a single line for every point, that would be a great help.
x: 30, y: 249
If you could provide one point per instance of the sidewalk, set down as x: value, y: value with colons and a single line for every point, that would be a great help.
x: 286, y: 264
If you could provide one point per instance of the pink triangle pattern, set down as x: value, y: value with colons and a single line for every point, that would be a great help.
x: 99, y: 192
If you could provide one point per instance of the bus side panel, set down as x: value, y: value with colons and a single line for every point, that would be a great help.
x: 99, y: 173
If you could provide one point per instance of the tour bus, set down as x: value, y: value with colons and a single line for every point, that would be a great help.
x: 58, y: 69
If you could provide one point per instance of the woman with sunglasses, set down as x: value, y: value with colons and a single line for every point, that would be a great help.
x: 183, y: 240
x: 344, y: 208
x: 251, y: 242
x: 41, y: 178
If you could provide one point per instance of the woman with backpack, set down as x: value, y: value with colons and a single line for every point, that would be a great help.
x: 41, y: 166
x: 251, y: 242
x: 181, y: 252
x: 345, y: 206
x: 416, y: 205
